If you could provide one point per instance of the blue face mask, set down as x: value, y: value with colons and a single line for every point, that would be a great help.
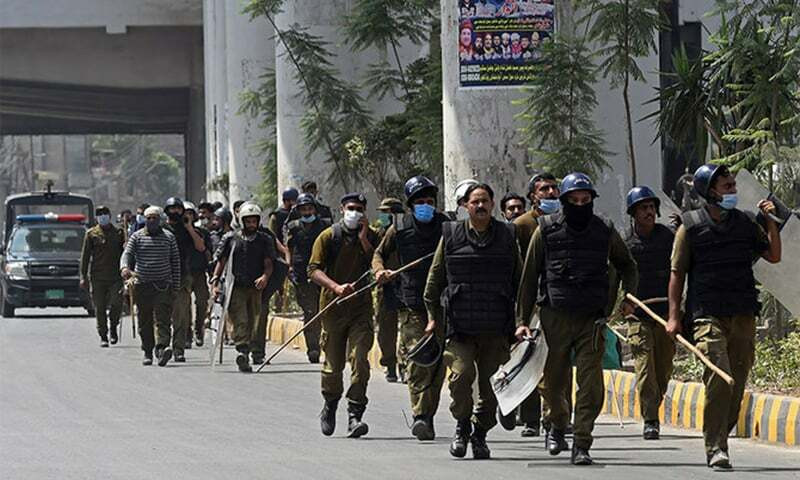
x: 104, y: 219
x: 424, y: 213
x: 549, y: 205
x: 140, y: 219
x: 384, y: 219
x: 308, y: 218
x: 729, y: 201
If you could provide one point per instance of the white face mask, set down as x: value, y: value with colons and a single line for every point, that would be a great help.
x: 351, y: 219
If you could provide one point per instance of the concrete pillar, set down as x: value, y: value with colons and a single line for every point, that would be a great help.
x: 480, y: 137
x: 194, y: 139
x: 295, y: 164
x: 216, y: 91
x: 250, y: 50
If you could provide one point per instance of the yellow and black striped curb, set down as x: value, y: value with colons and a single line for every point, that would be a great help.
x: 771, y: 418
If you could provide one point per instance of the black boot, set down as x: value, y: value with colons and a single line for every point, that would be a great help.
x: 164, y: 355
x: 243, y: 362
x: 313, y: 356
x: 355, y: 427
x: 580, y: 456
x: 652, y: 430
x: 480, y: 451
x: 148, y: 358
x: 104, y: 341
x: 327, y: 417
x: 508, y: 422
x: 555, y: 442
x: 112, y: 335
x: 458, y: 447
x: 391, y: 374
x: 422, y: 428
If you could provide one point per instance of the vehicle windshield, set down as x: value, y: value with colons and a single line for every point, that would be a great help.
x: 49, y: 239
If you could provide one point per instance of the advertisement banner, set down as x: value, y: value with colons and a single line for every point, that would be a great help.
x: 500, y: 41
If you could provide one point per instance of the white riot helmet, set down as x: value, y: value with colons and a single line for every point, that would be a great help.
x: 462, y: 187
x: 249, y: 209
x: 189, y: 206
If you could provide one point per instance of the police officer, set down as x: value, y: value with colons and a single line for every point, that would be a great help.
x: 252, y: 266
x: 568, y: 257
x: 543, y: 194
x: 277, y: 218
x: 387, y: 301
x: 310, y: 187
x: 300, y: 236
x: 512, y: 205
x: 716, y: 246
x: 102, y: 248
x: 460, y: 212
x: 198, y: 268
x: 189, y: 241
x: 415, y: 236
x: 341, y: 254
x: 650, y: 244
x: 221, y: 224
x: 474, y: 276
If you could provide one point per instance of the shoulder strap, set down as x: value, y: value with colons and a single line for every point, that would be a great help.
x: 336, y: 242
x: 693, y: 218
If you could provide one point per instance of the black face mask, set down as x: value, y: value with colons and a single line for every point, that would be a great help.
x: 578, y: 217
x: 152, y: 225
x: 174, y: 216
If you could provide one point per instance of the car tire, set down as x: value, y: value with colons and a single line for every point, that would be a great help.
x: 7, y: 309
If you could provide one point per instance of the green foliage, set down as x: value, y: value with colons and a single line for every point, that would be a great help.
x: 776, y: 366
x: 556, y: 121
x: 220, y: 184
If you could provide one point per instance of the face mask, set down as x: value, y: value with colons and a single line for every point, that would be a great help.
x: 549, y: 205
x: 308, y: 218
x: 729, y: 201
x: 424, y: 213
x: 384, y: 219
x: 578, y: 217
x: 351, y: 218
x: 140, y: 219
x: 152, y: 225
x: 204, y: 222
x: 174, y: 216
x: 104, y: 219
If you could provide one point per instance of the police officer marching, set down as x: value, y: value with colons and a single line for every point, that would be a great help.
x: 340, y: 256
x: 300, y: 235
x: 252, y: 266
x: 102, y: 248
x: 566, y: 273
x: 414, y: 237
x: 716, y: 246
x: 474, y: 276
x: 650, y: 244
x: 198, y: 269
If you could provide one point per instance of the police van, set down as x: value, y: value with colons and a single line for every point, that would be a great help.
x: 40, y: 251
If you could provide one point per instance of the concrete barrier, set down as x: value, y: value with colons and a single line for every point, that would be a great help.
x: 771, y: 418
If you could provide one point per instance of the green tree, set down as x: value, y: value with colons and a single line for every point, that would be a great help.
x: 556, y: 121
x: 625, y: 30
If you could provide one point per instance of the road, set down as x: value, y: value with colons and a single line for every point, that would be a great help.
x: 69, y: 409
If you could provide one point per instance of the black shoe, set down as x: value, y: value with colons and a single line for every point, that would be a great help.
x: 391, y: 374
x: 530, y: 430
x: 570, y: 429
x: 422, y: 428
x: 103, y: 343
x: 355, y: 426
x: 180, y: 358
x: 198, y: 340
x: 580, y: 456
x: 458, y: 447
x: 164, y: 356
x: 327, y: 417
x: 555, y: 442
x: 258, y: 358
x: 187, y: 345
x: 509, y: 422
x: 243, y: 362
x: 148, y: 359
x: 480, y: 451
x: 113, y: 336
x: 719, y: 460
x: 651, y: 430
x: 313, y: 356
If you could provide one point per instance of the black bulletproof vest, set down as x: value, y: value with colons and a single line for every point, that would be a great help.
x: 415, y: 241
x: 721, y: 281
x: 479, y: 297
x: 281, y: 215
x: 302, y: 243
x: 576, y: 264
x: 248, y: 258
x: 653, y: 257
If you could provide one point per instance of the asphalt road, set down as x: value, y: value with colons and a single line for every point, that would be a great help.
x: 69, y: 409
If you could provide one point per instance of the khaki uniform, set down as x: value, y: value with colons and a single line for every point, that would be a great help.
x: 100, y: 256
x: 386, y: 317
x: 308, y: 299
x: 729, y: 342
x: 653, y: 351
x: 469, y: 356
x: 567, y: 333
x: 347, y: 332
x: 424, y: 383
